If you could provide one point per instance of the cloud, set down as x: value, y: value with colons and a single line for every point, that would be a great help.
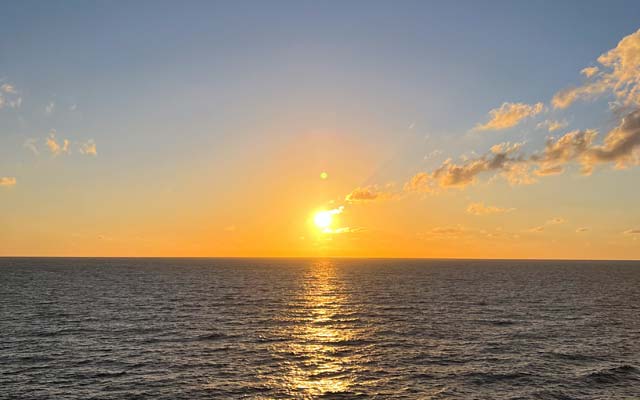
x: 620, y: 146
x: 503, y: 158
x: 88, y: 148
x: 9, y: 96
x: 481, y: 209
x: 552, y: 125
x: 556, y: 221
x: 619, y: 73
x: 509, y: 115
x: 632, y: 232
x: 7, y: 181
x: 54, y: 147
x: 8, y: 88
x: 432, y: 154
x: 370, y: 193
x: 50, y: 108
x: 31, y: 145
x: 553, y: 221
x: 444, y: 232
x: 589, y: 71
x: 582, y: 229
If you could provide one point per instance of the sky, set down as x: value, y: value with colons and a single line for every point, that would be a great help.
x: 361, y: 129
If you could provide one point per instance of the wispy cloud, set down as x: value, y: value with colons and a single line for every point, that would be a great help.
x: 371, y: 193
x: 509, y: 115
x: 552, y: 125
x: 481, y: 209
x: 31, y: 144
x: 9, y: 96
x: 556, y: 221
x: 632, y: 232
x: 583, y: 229
x: 553, y: 221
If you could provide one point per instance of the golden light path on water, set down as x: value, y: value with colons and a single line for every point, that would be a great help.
x: 319, y: 366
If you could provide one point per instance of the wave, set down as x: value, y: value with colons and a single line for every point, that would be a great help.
x: 614, y: 375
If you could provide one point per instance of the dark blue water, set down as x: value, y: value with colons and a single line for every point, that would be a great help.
x: 250, y: 328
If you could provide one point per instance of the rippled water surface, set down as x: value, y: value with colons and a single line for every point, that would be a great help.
x: 252, y: 328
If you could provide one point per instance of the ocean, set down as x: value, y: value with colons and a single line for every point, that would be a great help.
x: 127, y: 328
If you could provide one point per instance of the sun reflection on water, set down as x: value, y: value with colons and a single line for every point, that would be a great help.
x: 319, y: 331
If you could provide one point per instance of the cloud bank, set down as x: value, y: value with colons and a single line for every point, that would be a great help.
x: 618, y: 73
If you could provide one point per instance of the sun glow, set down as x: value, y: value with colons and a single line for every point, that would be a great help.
x: 323, y: 219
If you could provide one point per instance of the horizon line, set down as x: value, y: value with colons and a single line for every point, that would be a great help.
x: 328, y: 257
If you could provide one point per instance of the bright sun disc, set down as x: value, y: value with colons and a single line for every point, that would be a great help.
x: 322, y: 219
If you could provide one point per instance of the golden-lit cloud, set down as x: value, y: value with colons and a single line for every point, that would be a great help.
x: 503, y: 158
x: 370, y: 193
x: 482, y: 209
x: 56, y: 148
x: 589, y: 71
x: 88, y: 148
x: 619, y: 74
x: 509, y: 115
x: 620, y: 147
x: 62, y: 146
x: 6, y: 181
x: 582, y: 229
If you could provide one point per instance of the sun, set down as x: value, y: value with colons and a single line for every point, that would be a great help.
x: 322, y: 219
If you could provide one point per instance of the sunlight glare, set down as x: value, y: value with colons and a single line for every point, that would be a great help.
x: 322, y: 219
